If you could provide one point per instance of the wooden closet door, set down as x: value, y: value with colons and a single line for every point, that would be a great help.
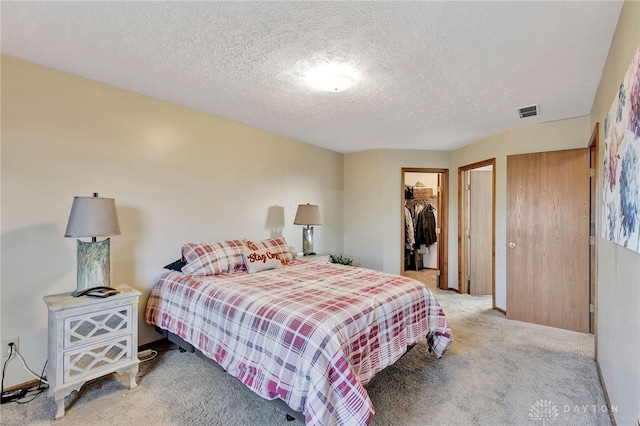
x: 548, y: 238
x: 481, y: 232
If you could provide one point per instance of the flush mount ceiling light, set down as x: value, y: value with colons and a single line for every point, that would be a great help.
x: 332, y: 77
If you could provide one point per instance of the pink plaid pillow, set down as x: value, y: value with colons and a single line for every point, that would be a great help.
x: 214, y: 258
x: 276, y: 245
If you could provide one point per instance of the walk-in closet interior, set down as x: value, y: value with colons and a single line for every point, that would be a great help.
x: 420, y: 223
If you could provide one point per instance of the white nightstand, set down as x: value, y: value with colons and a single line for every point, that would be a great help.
x: 90, y: 337
x: 316, y: 257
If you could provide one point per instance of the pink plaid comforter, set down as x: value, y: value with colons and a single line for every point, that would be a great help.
x: 311, y: 333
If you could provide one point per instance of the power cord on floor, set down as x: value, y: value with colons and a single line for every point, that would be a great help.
x: 4, y: 368
x: 18, y: 395
x: 33, y: 393
x: 147, y: 355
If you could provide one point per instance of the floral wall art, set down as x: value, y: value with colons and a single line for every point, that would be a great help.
x: 621, y: 188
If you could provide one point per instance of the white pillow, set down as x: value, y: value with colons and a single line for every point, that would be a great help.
x: 261, y: 260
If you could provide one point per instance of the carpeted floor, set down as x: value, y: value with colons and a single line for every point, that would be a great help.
x: 496, y: 372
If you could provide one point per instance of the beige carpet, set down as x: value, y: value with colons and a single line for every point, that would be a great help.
x: 497, y: 372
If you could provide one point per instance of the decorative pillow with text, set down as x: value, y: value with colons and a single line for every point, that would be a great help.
x: 261, y: 260
x: 276, y: 245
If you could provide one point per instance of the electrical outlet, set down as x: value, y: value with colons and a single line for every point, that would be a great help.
x: 5, y: 345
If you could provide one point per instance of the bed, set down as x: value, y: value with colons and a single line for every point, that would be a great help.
x: 311, y: 334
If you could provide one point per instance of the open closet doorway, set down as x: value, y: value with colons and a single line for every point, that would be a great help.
x: 476, y: 224
x: 424, y: 215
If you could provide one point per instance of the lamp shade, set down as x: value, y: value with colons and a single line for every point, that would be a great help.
x: 307, y: 214
x: 92, y: 217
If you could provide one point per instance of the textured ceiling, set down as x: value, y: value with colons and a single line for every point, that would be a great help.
x: 434, y: 75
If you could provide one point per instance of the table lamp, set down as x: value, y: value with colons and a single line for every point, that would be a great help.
x: 93, y: 217
x: 307, y: 214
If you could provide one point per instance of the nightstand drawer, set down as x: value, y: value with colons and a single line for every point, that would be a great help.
x: 95, y: 358
x: 95, y: 326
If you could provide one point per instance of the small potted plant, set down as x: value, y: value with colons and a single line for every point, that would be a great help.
x: 341, y: 259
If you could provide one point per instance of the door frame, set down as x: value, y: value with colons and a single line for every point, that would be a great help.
x: 442, y: 221
x: 594, y: 152
x: 462, y: 219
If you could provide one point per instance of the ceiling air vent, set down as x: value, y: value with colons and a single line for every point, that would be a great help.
x: 528, y: 111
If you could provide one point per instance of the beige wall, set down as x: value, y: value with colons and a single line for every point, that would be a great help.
x: 373, y: 197
x: 618, y: 328
x: 363, y: 218
x: 177, y: 175
x: 556, y: 135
